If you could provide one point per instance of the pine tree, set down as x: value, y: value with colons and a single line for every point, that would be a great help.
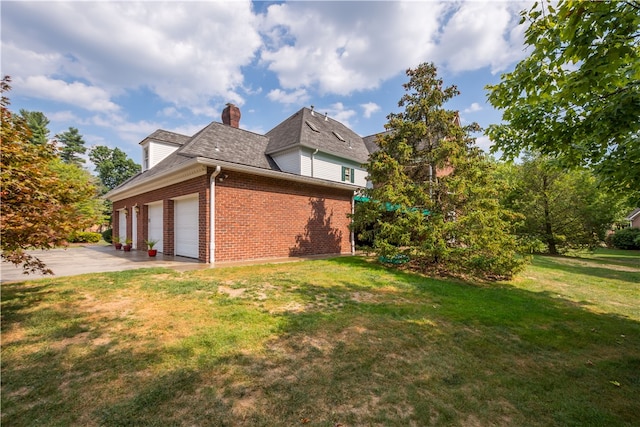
x: 72, y: 146
x: 38, y: 124
x: 435, y: 195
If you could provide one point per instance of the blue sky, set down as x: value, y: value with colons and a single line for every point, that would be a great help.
x: 118, y: 71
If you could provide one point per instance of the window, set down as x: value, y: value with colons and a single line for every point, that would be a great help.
x: 337, y: 135
x: 145, y: 157
x: 312, y: 126
x: 348, y: 174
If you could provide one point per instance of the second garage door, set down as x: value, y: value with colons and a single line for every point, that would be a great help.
x: 186, y: 226
x: 155, y: 225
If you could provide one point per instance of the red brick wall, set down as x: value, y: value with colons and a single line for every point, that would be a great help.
x: 199, y: 185
x: 256, y: 217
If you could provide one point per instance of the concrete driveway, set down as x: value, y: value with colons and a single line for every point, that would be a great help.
x: 96, y: 259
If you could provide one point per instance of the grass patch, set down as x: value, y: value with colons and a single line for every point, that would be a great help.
x: 320, y: 343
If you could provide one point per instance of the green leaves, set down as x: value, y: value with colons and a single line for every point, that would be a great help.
x: 577, y: 95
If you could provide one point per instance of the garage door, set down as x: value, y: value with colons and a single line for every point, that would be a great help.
x: 122, y: 226
x: 155, y: 225
x: 186, y: 226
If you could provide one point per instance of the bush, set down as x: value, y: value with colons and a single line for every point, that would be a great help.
x: 107, y: 235
x: 627, y: 238
x: 84, y: 237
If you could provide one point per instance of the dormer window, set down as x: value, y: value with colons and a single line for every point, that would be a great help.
x: 145, y: 158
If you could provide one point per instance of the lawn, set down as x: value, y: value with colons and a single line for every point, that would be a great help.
x: 341, y: 342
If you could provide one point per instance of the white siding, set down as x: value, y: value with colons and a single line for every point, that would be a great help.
x: 305, y: 163
x: 329, y: 167
x: 158, y: 151
x: 288, y: 161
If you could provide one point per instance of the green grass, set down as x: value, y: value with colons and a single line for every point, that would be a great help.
x: 321, y: 343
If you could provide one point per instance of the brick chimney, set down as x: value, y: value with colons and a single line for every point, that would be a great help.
x: 231, y: 116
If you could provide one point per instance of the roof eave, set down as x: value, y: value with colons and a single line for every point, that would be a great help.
x: 154, y: 182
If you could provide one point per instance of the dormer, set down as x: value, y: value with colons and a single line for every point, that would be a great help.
x: 158, y: 146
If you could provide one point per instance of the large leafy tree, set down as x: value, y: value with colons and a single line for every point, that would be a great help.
x: 39, y: 207
x: 577, y: 95
x: 72, y: 146
x: 38, y: 124
x: 435, y: 196
x: 561, y: 209
x: 113, y: 166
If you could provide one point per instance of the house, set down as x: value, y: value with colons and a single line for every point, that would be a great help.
x: 634, y: 218
x: 227, y: 194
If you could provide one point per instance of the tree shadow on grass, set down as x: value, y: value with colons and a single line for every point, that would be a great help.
x: 571, y: 265
x: 390, y: 348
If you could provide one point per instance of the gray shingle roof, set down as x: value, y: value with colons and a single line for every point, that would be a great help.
x: 314, y: 131
x: 168, y: 137
x: 370, y: 141
x: 221, y: 142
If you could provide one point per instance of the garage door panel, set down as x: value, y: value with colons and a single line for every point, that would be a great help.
x: 155, y: 230
x: 186, y: 227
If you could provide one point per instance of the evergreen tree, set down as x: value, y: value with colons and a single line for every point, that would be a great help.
x: 435, y: 197
x: 38, y: 124
x: 72, y: 146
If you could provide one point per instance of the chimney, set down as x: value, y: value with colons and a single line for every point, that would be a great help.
x: 231, y: 116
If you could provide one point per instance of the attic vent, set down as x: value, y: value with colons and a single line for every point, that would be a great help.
x: 339, y: 136
x: 312, y: 126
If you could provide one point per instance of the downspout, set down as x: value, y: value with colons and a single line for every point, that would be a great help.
x: 312, y: 158
x: 353, y: 235
x: 212, y: 215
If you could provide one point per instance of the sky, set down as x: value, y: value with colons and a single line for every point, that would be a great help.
x: 118, y: 71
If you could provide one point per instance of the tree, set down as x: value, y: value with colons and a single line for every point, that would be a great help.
x: 435, y: 196
x: 577, y: 95
x: 72, y: 146
x: 37, y: 123
x: 561, y: 209
x: 113, y: 166
x: 39, y: 208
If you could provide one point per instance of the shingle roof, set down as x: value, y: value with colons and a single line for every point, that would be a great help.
x: 317, y: 131
x: 168, y: 137
x: 633, y: 214
x: 221, y: 142
x: 370, y: 141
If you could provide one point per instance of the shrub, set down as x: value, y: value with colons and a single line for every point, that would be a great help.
x: 84, y: 237
x: 627, y: 238
x: 107, y: 234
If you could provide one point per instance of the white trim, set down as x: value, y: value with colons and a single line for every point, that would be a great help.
x: 154, y: 182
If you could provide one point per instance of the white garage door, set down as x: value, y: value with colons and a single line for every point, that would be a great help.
x: 122, y: 226
x: 155, y: 225
x: 186, y: 226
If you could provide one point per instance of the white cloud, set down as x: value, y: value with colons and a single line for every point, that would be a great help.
x: 369, y: 108
x: 481, y: 34
x: 341, y: 47
x: 184, y: 52
x: 339, y: 112
x: 484, y: 143
x: 298, y: 96
x: 473, y: 108
x: 76, y: 93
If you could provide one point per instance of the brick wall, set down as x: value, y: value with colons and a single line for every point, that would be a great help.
x: 256, y: 217
x: 259, y: 217
x: 199, y: 185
